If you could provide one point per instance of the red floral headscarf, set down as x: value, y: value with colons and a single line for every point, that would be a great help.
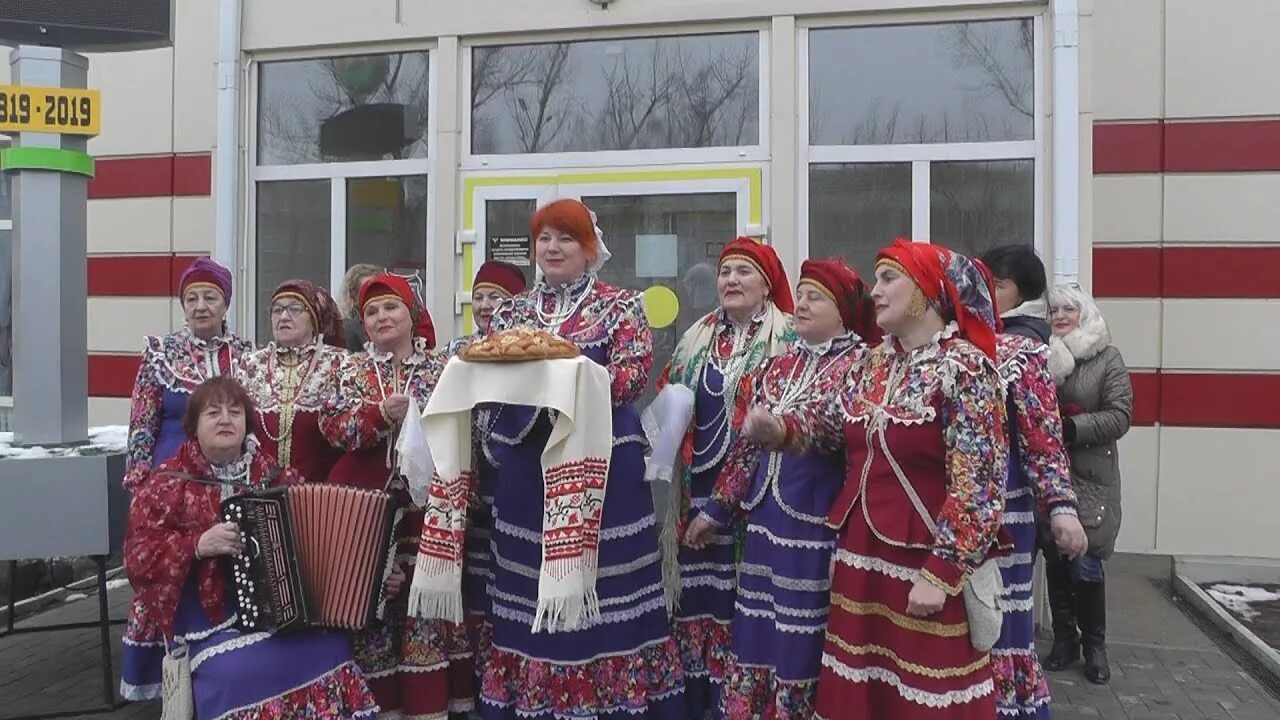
x: 847, y: 291
x: 389, y: 285
x: 766, y: 262
x: 952, y: 284
x: 325, y: 317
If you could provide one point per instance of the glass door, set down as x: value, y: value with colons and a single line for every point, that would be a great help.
x: 665, y: 231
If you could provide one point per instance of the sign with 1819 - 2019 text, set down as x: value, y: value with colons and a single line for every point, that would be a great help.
x: 50, y: 110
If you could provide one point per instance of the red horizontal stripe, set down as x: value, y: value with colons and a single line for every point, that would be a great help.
x: 1219, y: 400
x: 1212, y: 271
x: 112, y: 375
x: 1236, y: 145
x: 1222, y: 146
x: 1146, y: 397
x: 1128, y: 147
x: 136, y: 275
x: 1221, y: 272
x: 152, y: 176
x: 1126, y: 271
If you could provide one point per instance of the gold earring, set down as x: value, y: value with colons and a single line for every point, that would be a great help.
x: 918, y: 305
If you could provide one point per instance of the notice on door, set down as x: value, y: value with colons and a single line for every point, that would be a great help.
x: 515, y: 250
x: 657, y: 256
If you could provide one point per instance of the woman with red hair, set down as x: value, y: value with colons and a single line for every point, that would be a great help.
x: 922, y: 422
x: 417, y: 667
x: 752, y: 324
x: 619, y: 661
x: 784, y: 580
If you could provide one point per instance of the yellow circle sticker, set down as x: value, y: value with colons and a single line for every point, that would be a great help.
x: 661, y: 305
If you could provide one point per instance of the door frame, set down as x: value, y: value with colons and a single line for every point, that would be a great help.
x: 745, y: 181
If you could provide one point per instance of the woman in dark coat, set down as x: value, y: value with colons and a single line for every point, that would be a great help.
x: 1096, y: 399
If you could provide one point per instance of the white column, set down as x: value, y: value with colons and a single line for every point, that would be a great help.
x: 444, y: 265
x: 781, y: 201
x: 226, y: 246
x: 1066, y: 140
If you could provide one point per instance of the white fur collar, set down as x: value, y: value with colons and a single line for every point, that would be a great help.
x: 1037, y: 308
x: 1081, y: 344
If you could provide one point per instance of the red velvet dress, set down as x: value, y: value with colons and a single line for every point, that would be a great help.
x: 422, y: 668
x: 932, y: 418
x: 291, y: 386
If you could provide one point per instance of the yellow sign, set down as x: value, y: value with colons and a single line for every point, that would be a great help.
x: 50, y: 110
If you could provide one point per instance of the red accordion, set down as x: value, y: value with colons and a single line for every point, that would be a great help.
x: 315, y: 556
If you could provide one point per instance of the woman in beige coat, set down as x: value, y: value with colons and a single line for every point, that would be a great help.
x: 1096, y: 400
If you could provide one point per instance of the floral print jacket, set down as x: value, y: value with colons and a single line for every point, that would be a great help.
x: 174, y: 363
x: 1035, y: 424
x: 179, y: 500
x: 939, y: 411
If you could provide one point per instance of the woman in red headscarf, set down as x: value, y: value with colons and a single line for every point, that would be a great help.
x: 495, y: 283
x: 752, y: 324
x: 417, y: 667
x: 292, y: 378
x: 785, y: 575
x: 922, y: 424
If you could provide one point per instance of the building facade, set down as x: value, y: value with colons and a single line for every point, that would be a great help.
x: 419, y: 137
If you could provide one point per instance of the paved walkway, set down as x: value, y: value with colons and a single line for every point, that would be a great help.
x: 1164, y: 667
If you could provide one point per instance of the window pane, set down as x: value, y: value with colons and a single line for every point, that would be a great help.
x: 975, y: 206
x: 856, y: 209
x: 367, y: 107
x: 387, y: 223
x: 638, y: 93
x: 506, y: 229
x: 672, y: 241
x: 293, y: 239
x: 960, y: 82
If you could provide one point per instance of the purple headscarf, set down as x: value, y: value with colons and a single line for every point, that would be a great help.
x: 206, y: 272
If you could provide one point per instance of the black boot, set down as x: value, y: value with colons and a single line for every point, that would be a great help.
x: 1092, y: 599
x: 1062, y: 604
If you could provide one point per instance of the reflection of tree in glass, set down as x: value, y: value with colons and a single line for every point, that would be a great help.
x: 981, y: 75
x: 290, y: 117
x: 1004, y: 67
x: 649, y: 93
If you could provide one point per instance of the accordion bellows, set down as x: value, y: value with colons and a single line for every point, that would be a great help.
x: 315, y: 556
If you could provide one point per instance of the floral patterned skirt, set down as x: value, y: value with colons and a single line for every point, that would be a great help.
x: 625, y: 665
x: 780, y: 618
x: 1021, y: 688
x: 260, y: 676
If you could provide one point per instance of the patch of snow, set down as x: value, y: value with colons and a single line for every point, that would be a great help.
x: 74, y: 597
x: 105, y: 439
x: 117, y: 583
x: 1238, y: 598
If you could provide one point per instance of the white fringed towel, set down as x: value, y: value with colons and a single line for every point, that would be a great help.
x: 575, y: 465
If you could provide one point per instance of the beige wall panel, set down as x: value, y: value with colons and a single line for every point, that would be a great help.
x: 1135, y: 329
x: 1222, y: 58
x: 1139, y: 472
x: 129, y: 225
x: 137, y: 102
x: 177, y: 318
x: 118, y: 324
x: 1127, y: 209
x: 4, y: 64
x: 195, y: 112
x: 287, y: 24
x: 1127, y: 69
x: 108, y: 411
x: 1228, y: 208
x: 193, y: 225
x: 1233, y: 467
x: 1221, y: 335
